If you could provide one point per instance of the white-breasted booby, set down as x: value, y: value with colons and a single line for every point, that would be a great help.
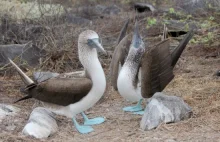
x: 144, y: 70
x: 73, y: 95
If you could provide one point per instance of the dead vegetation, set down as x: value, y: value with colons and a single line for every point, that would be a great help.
x: 57, y: 35
x: 58, y: 25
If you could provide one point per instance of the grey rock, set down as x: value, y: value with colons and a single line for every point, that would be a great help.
x: 176, y: 25
x: 42, y: 76
x: 41, y: 124
x: 100, y: 8
x: 6, y: 110
x: 112, y: 10
x: 164, y: 109
x: 94, y: 12
x: 27, y: 52
x: 192, y: 6
x: 108, y: 10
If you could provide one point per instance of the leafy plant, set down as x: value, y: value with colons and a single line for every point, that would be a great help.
x: 151, y: 21
x: 211, y: 18
x: 189, y: 17
x: 171, y: 10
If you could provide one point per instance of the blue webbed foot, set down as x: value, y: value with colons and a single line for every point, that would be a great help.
x: 133, y: 108
x: 82, y: 128
x: 94, y: 121
x: 138, y: 107
x: 139, y: 112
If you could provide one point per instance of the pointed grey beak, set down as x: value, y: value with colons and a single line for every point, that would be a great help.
x: 100, y: 47
x: 136, y: 40
x: 96, y: 44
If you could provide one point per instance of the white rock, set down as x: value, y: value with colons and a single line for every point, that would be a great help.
x: 164, y: 109
x: 41, y: 123
x: 6, y: 110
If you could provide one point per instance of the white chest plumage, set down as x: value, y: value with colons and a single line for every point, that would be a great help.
x: 98, y: 88
x: 125, y: 85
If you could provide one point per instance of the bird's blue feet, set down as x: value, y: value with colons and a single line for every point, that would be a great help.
x: 136, y: 108
x: 94, y: 121
x: 82, y: 128
x: 139, y: 112
x: 133, y: 108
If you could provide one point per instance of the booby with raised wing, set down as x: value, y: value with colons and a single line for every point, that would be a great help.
x: 68, y: 96
x: 145, y: 70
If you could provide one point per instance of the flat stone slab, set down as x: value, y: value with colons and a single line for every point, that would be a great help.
x: 27, y: 52
x: 41, y: 124
x: 162, y: 108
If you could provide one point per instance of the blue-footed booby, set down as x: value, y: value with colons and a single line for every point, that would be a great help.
x: 144, y: 70
x: 67, y: 94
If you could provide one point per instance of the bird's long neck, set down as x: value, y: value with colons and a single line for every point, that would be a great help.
x: 95, y: 71
x: 131, y: 66
x: 91, y: 64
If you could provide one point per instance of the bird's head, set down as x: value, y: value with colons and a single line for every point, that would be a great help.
x: 91, y: 39
x: 137, y: 47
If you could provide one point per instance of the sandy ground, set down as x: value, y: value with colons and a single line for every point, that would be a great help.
x: 194, y: 82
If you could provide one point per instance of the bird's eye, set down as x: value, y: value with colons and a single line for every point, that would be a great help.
x: 90, y: 42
